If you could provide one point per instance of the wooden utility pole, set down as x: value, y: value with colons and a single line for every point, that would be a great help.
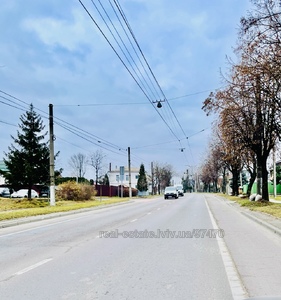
x: 52, y: 157
x: 129, y: 166
x: 152, y: 179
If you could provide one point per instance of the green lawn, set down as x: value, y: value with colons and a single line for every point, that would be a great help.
x: 18, y: 208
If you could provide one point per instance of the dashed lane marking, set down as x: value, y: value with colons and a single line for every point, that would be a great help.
x: 32, y: 267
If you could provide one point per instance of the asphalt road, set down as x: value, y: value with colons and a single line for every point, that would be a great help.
x: 195, y: 247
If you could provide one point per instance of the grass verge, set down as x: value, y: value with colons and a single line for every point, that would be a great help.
x: 270, y: 208
x: 20, y: 208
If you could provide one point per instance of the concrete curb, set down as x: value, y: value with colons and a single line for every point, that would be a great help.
x: 262, y: 222
x: 257, y: 217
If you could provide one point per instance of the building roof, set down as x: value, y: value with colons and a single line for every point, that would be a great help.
x: 134, y: 170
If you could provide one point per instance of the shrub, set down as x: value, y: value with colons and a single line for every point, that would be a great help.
x: 75, y: 191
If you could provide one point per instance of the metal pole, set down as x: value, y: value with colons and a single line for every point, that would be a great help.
x: 129, y: 166
x: 52, y: 157
x: 152, y: 179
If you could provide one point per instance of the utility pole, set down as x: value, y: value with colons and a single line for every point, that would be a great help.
x: 129, y: 166
x: 152, y: 179
x: 52, y: 157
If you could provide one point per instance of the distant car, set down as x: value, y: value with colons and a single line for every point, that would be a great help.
x: 5, y: 192
x: 171, y: 191
x: 180, y: 189
x: 23, y: 194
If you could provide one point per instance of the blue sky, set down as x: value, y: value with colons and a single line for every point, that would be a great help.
x: 52, y: 52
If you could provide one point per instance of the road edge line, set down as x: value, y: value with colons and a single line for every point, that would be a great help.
x: 237, y: 288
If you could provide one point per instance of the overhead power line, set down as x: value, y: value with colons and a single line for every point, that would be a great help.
x: 131, y: 56
x: 8, y: 123
x: 17, y: 103
x: 79, y: 132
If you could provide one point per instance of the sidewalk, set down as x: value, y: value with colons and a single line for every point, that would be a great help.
x: 270, y: 222
x: 275, y: 201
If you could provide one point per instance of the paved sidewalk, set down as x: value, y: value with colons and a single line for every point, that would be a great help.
x: 275, y: 201
x: 268, y: 221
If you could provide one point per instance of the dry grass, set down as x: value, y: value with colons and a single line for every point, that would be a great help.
x: 11, y: 208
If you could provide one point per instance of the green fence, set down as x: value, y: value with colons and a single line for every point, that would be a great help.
x: 270, y: 188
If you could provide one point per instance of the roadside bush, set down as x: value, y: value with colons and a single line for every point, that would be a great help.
x: 75, y: 191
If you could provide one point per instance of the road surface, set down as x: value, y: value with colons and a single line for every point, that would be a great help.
x: 195, y: 247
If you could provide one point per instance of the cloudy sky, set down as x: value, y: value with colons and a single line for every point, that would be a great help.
x: 81, y: 57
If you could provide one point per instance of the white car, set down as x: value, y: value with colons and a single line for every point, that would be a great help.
x: 23, y: 194
x: 180, y: 189
x: 5, y: 192
x: 171, y: 191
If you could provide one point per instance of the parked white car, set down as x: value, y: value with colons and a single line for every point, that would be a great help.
x: 23, y: 194
x: 5, y: 192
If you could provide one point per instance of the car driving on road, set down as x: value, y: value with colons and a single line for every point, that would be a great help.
x: 171, y: 191
x: 180, y: 189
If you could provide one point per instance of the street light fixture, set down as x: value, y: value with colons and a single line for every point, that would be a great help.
x: 159, y: 105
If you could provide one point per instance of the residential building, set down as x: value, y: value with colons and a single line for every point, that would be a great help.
x: 2, y: 168
x: 116, y: 179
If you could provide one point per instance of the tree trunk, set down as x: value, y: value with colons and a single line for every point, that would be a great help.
x: 251, y: 182
x: 259, y: 178
x: 253, y: 174
x: 235, y: 187
x: 224, y: 181
x: 265, y: 195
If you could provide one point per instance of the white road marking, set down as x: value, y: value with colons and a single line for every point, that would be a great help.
x: 236, y: 286
x: 40, y: 263
x: 149, y: 213
x: 134, y: 220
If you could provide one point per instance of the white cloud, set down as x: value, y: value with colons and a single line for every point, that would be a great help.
x: 68, y: 33
x: 53, y: 53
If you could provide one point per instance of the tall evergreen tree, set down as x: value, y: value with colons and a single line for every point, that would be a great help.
x: 142, y: 181
x: 28, y: 160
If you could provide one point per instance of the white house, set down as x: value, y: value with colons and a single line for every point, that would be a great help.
x: 115, y: 177
x: 3, y: 168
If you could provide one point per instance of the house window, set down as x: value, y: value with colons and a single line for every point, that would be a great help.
x: 127, y: 177
x: 117, y: 177
x: 137, y: 176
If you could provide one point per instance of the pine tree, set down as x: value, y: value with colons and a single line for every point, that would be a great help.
x: 142, y: 182
x: 28, y: 162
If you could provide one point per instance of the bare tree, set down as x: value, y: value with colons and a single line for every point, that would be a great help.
x: 252, y: 97
x: 162, y: 176
x: 78, y: 163
x: 96, y: 161
x: 214, y: 164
